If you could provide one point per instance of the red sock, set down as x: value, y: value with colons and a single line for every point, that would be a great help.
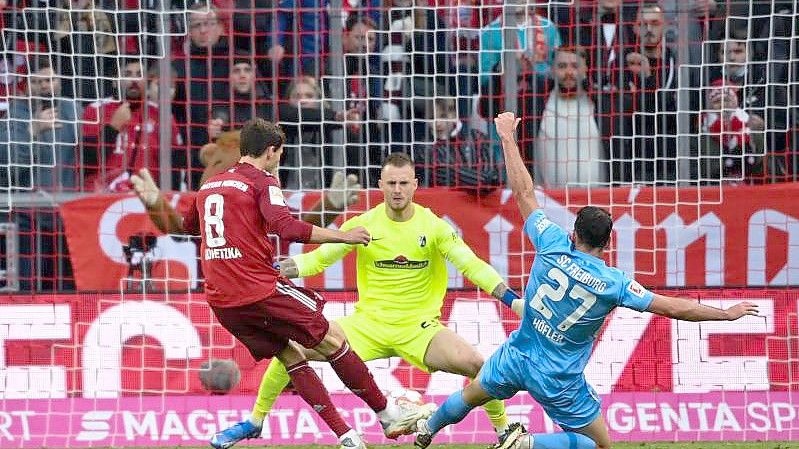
x: 310, y: 388
x: 356, y: 376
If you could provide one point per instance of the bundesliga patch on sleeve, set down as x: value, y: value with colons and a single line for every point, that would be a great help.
x: 276, y: 196
x: 542, y: 224
x: 636, y: 289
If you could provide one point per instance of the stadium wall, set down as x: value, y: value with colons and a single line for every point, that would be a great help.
x: 109, y: 369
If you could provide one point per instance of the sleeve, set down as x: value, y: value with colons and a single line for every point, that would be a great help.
x: 635, y: 296
x: 279, y: 219
x: 316, y: 261
x: 543, y: 233
x: 455, y: 250
x: 191, y: 219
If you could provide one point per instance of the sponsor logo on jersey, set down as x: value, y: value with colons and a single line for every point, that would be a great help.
x: 636, y: 289
x: 422, y: 240
x: 401, y: 263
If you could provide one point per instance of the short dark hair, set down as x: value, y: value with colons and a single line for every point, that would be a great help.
x: 355, y: 19
x: 258, y: 134
x: 39, y: 63
x: 398, y: 160
x: 575, y: 49
x: 593, y: 226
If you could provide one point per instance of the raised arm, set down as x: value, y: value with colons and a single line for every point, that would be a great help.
x: 690, y: 310
x: 521, y: 183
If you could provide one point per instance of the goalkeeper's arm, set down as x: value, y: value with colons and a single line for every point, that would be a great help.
x: 163, y: 215
x: 482, y: 274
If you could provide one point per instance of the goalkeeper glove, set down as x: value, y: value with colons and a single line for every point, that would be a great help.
x: 509, y: 297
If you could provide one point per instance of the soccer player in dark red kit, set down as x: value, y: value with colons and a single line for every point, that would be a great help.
x: 233, y: 212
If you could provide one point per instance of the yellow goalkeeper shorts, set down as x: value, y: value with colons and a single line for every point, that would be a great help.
x: 373, y: 340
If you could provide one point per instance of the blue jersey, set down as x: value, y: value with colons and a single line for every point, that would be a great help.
x: 568, y: 296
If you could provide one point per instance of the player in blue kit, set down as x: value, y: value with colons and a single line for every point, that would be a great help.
x: 568, y: 296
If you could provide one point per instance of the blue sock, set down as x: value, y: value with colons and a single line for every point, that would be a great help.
x: 562, y: 440
x: 453, y: 410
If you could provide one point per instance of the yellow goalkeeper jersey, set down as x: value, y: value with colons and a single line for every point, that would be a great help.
x: 402, y: 273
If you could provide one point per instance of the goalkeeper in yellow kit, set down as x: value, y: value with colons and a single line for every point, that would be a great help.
x: 402, y: 281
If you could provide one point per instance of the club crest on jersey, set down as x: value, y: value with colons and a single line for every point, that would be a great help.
x: 422, y: 241
x: 401, y: 263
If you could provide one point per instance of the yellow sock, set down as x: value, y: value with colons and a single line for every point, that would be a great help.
x: 272, y: 384
x: 496, y: 413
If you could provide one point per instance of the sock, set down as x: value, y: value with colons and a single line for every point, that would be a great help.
x: 353, y: 372
x: 452, y: 411
x: 495, y: 410
x: 310, y: 388
x: 273, y: 382
x: 562, y: 440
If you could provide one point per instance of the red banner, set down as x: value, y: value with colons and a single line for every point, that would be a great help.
x: 105, y: 346
x: 712, y: 236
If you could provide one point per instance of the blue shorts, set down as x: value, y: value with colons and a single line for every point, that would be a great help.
x: 571, y: 403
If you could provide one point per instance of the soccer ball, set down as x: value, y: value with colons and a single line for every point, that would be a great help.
x: 404, y: 396
x: 219, y: 376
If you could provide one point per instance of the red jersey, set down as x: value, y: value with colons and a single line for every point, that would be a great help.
x: 233, y: 212
x: 119, y: 154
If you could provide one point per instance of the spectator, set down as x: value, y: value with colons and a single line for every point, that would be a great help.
x: 362, y: 87
x: 537, y: 39
x: 699, y: 25
x: 604, y: 33
x: 360, y: 8
x: 652, y: 80
x: 419, y: 69
x: 467, y: 18
x: 203, y: 76
x: 569, y: 142
x: 248, y: 98
x: 84, y: 38
x: 276, y: 31
x: 41, y: 133
x: 460, y: 157
x: 731, y: 147
x: 120, y: 136
x: 764, y: 90
x: 308, y: 122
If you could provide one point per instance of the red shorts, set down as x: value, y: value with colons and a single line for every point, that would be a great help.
x: 265, y: 327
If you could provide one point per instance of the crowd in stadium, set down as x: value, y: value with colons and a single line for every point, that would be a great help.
x: 610, y: 92
x: 599, y: 87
